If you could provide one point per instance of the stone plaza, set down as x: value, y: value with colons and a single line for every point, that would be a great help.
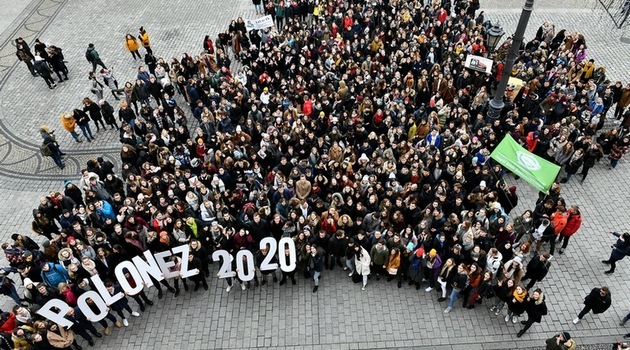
x: 340, y: 315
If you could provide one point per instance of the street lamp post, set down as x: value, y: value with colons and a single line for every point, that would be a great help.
x: 496, y: 104
x: 493, y: 36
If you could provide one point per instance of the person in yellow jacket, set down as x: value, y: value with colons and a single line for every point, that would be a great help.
x: 132, y: 45
x: 69, y: 123
x: 144, y: 38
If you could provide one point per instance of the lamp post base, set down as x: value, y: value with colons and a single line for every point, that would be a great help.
x: 494, y: 109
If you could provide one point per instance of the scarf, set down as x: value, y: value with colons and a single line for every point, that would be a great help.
x: 193, y: 227
x: 519, y: 297
x: 90, y: 267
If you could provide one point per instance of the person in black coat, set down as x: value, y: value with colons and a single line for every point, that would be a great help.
x: 44, y: 71
x: 121, y: 304
x: 598, y: 300
x: 200, y: 278
x: 536, y: 308
x: 573, y: 165
x: 94, y: 111
x: 537, y: 269
x: 316, y: 264
x: 81, y: 326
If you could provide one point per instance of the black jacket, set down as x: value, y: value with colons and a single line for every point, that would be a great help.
x: 598, y: 303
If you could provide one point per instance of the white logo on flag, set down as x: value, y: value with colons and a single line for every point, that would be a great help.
x: 528, y: 161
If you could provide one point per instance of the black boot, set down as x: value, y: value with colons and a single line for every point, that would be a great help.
x: 160, y: 294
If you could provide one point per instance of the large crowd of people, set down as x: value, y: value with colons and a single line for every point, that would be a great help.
x: 351, y: 127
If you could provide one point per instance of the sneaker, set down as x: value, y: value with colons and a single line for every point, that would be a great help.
x: 135, y: 314
x: 441, y: 299
x: 243, y: 286
x: 560, y: 251
x: 576, y: 320
x: 350, y: 274
x: 514, y: 319
x: 125, y: 322
x: 496, y: 313
x: 492, y: 309
x: 363, y: 288
x: 428, y: 289
x: 345, y: 268
x: 448, y: 309
x: 315, y: 289
x: 118, y: 324
x: 106, y: 331
x: 507, y: 318
x: 228, y: 289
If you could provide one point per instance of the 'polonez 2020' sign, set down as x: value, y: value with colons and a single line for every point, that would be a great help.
x: 158, y: 266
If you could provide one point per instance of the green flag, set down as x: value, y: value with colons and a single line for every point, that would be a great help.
x: 536, y: 171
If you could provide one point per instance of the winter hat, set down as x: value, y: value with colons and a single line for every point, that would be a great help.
x: 364, y: 157
x: 410, y: 246
x: 46, y: 244
x: 496, y: 206
x: 432, y: 253
x: 66, y: 183
x: 512, y: 189
x: 566, y: 335
x: 482, y: 183
x: 14, y: 236
x: 27, y: 281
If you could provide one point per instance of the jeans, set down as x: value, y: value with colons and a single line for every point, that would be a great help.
x: 85, y: 129
x: 350, y: 265
x: 56, y: 156
x: 75, y: 136
x: 316, y: 277
x: 613, y: 163
x: 454, y: 295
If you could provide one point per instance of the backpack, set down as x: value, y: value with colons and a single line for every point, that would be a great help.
x: 45, y: 151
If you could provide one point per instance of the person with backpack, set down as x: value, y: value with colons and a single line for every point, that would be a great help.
x: 92, y: 56
x: 50, y: 147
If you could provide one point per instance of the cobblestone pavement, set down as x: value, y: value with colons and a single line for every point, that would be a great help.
x: 339, y: 316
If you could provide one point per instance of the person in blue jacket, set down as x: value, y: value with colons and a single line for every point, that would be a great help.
x: 53, y: 274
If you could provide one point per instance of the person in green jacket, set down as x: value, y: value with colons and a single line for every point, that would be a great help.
x: 280, y: 15
x: 379, y: 255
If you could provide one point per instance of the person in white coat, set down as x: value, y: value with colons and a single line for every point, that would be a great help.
x: 362, y: 263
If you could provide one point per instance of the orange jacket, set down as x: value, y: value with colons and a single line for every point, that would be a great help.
x: 559, y: 221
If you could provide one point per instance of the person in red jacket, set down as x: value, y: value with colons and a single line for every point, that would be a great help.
x: 8, y: 322
x: 574, y: 221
